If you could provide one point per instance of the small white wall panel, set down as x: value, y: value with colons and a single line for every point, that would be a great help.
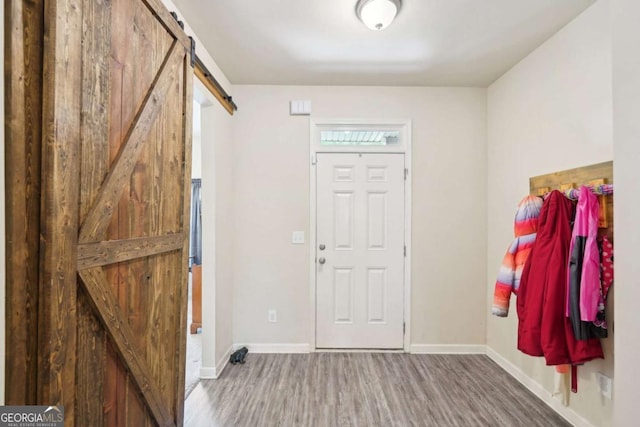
x: 377, y: 220
x: 343, y: 174
x: 343, y: 295
x: 376, y: 295
x: 377, y: 174
x: 343, y: 220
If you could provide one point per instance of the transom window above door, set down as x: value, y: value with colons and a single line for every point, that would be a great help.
x: 359, y: 137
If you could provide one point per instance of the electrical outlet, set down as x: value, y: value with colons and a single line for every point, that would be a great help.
x: 272, y: 316
x: 605, y: 385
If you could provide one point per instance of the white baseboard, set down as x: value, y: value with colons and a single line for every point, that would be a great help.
x: 208, y: 373
x: 224, y: 361
x: 536, y: 388
x: 448, y: 349
x: 212, y: 373
x: 415, y: 348
x: 275, y: 348
x: 356, y: 350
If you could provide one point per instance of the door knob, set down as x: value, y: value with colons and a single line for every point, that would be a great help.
x: 321, y: 247
x: 322, y: 260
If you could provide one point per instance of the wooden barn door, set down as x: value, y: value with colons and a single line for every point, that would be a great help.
x: 115, y: 188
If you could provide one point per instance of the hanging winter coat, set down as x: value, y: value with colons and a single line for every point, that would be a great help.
x: 525, y: 227
x: 606, y: 279
x: 543, y: 328
x: 583, y: 275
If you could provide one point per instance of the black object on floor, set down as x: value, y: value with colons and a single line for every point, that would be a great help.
x: 238, y: 356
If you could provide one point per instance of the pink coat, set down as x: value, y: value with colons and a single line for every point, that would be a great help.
x: 583, y: 274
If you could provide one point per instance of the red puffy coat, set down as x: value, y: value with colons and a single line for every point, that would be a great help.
x: 543, y: 328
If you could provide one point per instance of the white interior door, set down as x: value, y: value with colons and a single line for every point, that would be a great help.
x: 360, y: 250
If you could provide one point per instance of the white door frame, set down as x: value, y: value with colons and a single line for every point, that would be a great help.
x: 404, y: 147
x: 208, y: 103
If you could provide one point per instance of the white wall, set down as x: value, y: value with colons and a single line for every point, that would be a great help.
x: 217, y: 214
x: 551, y: 112
x: 626, y: 107
x: 271, y: 189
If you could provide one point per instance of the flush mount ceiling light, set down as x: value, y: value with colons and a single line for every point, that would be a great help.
x: 377, y: 14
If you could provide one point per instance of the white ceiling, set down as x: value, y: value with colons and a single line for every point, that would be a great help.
x: 321, y: 42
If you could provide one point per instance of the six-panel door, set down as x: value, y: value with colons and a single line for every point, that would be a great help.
x: 360, y: 250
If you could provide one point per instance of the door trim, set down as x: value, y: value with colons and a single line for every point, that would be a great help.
x: 404, y: 127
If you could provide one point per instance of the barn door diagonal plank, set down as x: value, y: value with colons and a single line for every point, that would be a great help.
x: 170, y: 24
x: 97, y: 221
x: 113, y: 251
x: 106, y: 306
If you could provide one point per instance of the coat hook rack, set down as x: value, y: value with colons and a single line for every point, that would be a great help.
x: 598, y: 178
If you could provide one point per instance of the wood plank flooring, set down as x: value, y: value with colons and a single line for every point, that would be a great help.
x: 366, y: 389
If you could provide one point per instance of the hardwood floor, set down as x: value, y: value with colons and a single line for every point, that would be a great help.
x: 366, y: 389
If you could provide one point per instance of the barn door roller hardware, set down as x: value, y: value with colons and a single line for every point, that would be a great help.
x: 212, y: 84
x: 175, y: 16
x: 205, y: 76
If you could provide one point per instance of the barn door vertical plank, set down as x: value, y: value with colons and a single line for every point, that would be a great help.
x: 131, y: 210
x: 96, y: 85
x: 159, y: 345
x: 155, y: 46
x: 167, y: 266
x: 94, y: 165
x: 155, y: 339
x: 59, y: 209
x: 24, y: 32
x: 181, y: 301
x: 90, y: 366
x: 156, y: 315
x: 122, y: 110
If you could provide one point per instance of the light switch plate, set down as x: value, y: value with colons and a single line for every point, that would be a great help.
x: 297, y: 237
x: 300, y: 108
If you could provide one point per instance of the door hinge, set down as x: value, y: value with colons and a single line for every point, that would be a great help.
x: 314, y: 160
x: 406, y: 173
x: 404, y: 328
x: 405, y: 250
